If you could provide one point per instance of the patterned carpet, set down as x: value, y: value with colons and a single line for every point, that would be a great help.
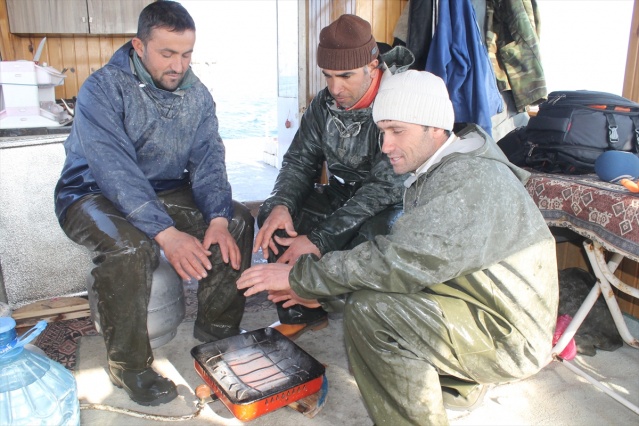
x: 60, y: 339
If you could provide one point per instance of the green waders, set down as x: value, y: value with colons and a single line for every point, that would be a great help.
x: 125, y: 259
x: 401, y: 353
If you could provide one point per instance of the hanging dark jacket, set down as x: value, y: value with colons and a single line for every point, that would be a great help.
x: 420, y: 30
x: 357, y: 161
x: 130, y: 140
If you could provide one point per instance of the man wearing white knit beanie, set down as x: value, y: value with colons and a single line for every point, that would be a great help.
x: 462, y: 293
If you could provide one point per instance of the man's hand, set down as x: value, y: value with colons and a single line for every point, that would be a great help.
x: 218, y: 233
x: 265, y: 277
x: 280, y: 218
x: 185, y: 253
x: 297, y: 246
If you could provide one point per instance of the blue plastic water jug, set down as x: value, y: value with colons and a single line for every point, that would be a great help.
x: 34, y: 389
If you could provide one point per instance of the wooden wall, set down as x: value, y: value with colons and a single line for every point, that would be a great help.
x: 631, y: 80
x: 383, y: 15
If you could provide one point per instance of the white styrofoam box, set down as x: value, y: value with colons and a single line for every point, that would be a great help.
x: 28, y: 96
x: 20, y: 96
x: 49, y: 76
x: 28, y: 73
x: 46, y: 94
x: 18, y: 73
x: 27, y: 118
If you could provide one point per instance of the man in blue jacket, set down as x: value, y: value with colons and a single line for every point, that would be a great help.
x: 145, y: 173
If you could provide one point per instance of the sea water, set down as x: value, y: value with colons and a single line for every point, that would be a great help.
x: 246, y: 108
x: 246, y: 117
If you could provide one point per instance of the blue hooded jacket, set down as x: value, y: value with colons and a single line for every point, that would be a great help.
x: 131, y: 140
x: 458, y: 55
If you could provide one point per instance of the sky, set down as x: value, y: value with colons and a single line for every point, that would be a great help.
x: 238, y: 39
x: 584, y: 43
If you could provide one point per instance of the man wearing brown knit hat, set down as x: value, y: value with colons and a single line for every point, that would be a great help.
x: 363, y: 196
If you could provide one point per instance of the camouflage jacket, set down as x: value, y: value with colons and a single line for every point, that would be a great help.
x: 512, y: 39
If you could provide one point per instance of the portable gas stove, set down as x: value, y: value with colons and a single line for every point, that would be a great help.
x: 258, y: 372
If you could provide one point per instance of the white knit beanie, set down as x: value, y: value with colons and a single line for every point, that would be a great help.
x: 417, y: 97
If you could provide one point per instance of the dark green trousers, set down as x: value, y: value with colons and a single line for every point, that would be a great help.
x: 125, y: 259
x: 401, y: 352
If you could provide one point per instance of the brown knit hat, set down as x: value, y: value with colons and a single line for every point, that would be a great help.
x: 346, y: 44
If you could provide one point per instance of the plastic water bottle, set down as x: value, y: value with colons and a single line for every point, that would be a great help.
x: 34, y: 389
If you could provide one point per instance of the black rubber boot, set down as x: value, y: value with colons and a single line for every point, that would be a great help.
x: 218, y: 333
x: 146, y: 387
x: 299, y: 314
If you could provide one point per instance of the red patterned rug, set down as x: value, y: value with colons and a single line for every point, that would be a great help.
x: 60, y: 339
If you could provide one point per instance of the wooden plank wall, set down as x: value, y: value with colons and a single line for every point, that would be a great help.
x: 383, y: 15
x: 631, y: 80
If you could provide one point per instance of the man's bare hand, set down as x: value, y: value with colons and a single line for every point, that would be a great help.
x: 297, y: 246
x: 280, y: 218
x: 265, y: 277
x: 218, y: 233
x: 185, y: 253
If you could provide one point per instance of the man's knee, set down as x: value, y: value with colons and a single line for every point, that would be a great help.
x: 361, y: 304
x: 131, y: 244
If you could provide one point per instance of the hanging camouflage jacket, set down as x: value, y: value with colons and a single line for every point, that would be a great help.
x: 512, y: 38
